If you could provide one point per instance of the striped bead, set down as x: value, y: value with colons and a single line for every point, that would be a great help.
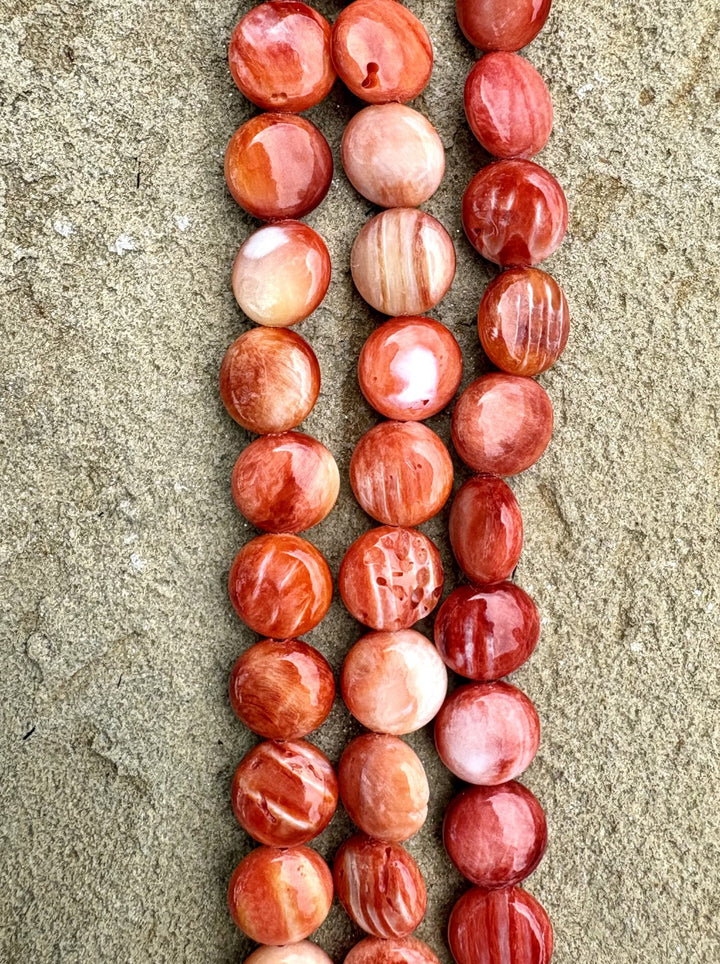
x: 500, y: 927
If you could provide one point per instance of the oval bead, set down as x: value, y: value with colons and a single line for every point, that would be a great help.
x: 280, y: 585
x: 514, y: 213
x: 303, y: 952
x: 501, y: 927
x: 501, y: 24
x: 278, y: 166
x: 403, y: 261
x: 486, y: 530
x: 487, y: 733
x: 407, y: 950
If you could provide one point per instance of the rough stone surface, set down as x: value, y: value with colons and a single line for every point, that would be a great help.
x: 117, y: 237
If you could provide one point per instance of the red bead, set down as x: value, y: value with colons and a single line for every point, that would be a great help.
x: 410, y: 368
x: 502, y: 424
x: 514, y: 213
x: 501, y: 24
x: 487, y: 733
x: 280, y: 585
x: 280, y: 896
x: 508, y: 106
x: 282, y: 690
x: 285, y: 483
x: 284, y: 794
x: 279, y: 56
x: 303, y: 952
x: 278, y: 166
x: 495, y: 836
x: 401, y: 473
x: 373, y: 950
x: 485, y: 633
x: 380, y: 886
x: 486, y: 530
x: 500, y: 927
x: 523, y: 321
x: 381, y: 51
x: 391, y: 577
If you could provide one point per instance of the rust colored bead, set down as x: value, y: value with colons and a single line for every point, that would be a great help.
x: 500, y: 927
x: 485, y: 633
x: 486, y: 530
x: 303, y: 952
x: 282, y: 690
x: 487, y: 733
x: 407, y: 950
x: 380, y: 886
x: 381, y: 51
x: 501, y: 24
x: 285, y: 483
x: 495, y: 836
x: 410, y: 368
x: 502, y: 424
x: 279, y: 56
x: 278, y: 166
x: 284, y: 794
x: 280, y: 896
x: 514, y: 213
x: 401, y: 473
x: 391, y: 577
x: 280, y: 585
x: 508, y: 106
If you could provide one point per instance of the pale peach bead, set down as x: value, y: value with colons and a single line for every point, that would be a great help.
x: 305, y: 952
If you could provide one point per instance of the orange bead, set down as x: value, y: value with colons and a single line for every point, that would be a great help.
x: 500, y: 927
x: 373, y: 950
x: 486, y: 530
x: 501, y: 24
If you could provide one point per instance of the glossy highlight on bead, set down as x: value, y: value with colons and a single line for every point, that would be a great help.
x: 501, y: 24
x: 500, y: 927
x: 486, y: 529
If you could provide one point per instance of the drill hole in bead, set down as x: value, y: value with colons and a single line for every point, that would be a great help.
x: 371, y: 76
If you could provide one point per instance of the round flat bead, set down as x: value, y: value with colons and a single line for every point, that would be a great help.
x: 279, y: 56
x: 501, y: 24
x: 391, y: 577
x: 508, y: 106
x: 401, y: 473
x: 381, y: 51
x: 282, y: 690
x: 393, y: 156
x: 500, y: 927
x: 485, y: 633
x: 285, y: 483
x: 380, y: 886
x: 303, y: 952
x: 403, y: 261
x: 523, y: 321
x: 280, y: 585
x: 410, y: 368
x: 514, y: 213
x: 284, y: 794
x: 280, y: 896
x: 502, y: 424
x: 487, y: 733
x: 495, y: 836
x: 394, y: 682
x: 407, y: 950
x: 269, y: 380
x: 486, y: 530
x: 278, y: 166
x: 281, y: 274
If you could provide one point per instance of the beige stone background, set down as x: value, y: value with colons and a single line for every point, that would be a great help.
x: 116, y: 240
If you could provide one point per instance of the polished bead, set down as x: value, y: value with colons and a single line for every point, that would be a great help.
x: 487, y: 632
x: 502, y: 424
x: 410, y: 368
x: 303, y: 952
x: 500, y: 927
x: 380, y: 886
x: 487, y: 733
x: 406, y: 950
x: 501, y: 24
x: 403, y: 261
x: 514, y: 213
x: 282, y: 690
x: 269, y: 380
x: 401, y: 473
x: 280, y: 585
x: 279, y: 56
x: 280, y: 896
x: 523, y: 321
x: 486, y: 530
x: 281, y: 274
x: 393, y: 156
x: 285, y: 483
x: 284, y: 794
x: 278, y: 166
x: 381, y: 51
x: 394, y: 682
x: 508, y: 106
x: 390, y: 578
x: 495, y: 836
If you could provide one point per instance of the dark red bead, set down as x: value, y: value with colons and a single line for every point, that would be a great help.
x: 500, y: 927
x: 486, y: 529
x: 501, y: 24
